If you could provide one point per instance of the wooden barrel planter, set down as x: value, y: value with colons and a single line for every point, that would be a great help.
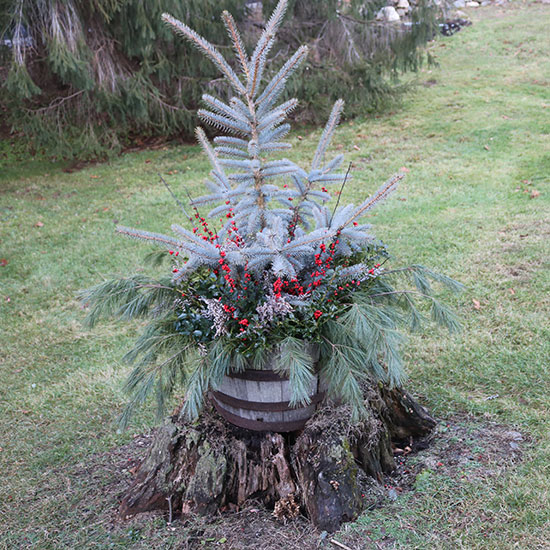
x: 259, y: 400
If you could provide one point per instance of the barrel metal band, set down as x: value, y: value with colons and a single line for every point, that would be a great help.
x: 258, y: 375
x: 258, y: 425
x: 262, y: 405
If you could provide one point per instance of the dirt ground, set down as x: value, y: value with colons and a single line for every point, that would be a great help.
x: 459, y: 448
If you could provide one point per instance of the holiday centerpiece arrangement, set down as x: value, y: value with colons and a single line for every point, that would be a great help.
x: 271, y: 279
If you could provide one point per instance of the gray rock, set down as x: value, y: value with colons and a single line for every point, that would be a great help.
x: 388, y: 13
x: 472, y: 4
x: 459, y: 4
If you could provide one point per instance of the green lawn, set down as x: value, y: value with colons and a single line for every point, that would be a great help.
x: 475, y: 137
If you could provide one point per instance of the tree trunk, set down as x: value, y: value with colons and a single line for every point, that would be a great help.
x: 331, y: 470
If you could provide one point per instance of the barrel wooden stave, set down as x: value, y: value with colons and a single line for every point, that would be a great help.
x: 273, y: 393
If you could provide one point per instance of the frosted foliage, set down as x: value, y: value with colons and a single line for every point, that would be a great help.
x: 273, y: 211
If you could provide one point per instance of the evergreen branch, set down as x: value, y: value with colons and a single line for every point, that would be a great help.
x: 148, y: 236
x: 203, y: 140
x: 197, y: 386
x: 441, y: 314
x: 269, y: 95
x: 258, y: 59
x: 449, y: 282
x: 230, y: 151
x: 420, y: 272
x: 297, y: 363
x: 142, y: 380
x: 312, y: 238
x: 370, y: 202
x: 223, y: 109
x: 208, y: 49
x: 265, y: 43
x: 327, y: 134
x: 338, y: 372
x: 122, y: 298
x: 237, y: 42
x: 231, y: 141
x: 224, y: 123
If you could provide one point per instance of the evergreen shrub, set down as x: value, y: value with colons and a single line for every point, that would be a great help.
x: 87, y: 78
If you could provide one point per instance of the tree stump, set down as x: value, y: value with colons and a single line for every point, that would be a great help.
x: 325, y: 470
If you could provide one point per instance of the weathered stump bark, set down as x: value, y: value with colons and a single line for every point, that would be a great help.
x: 325, y: 470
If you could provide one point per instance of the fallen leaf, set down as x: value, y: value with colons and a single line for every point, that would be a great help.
x: 486, y: 147
x: 404, y: 169
x: 3, y: 262
x: 505, y: 117
x: 511, y: 291
x: 148, y: 161
x: 357, y: 148
x: 527, y: 182
x: 300, y: 138
x: 534, y: 194
x: 38, y: 224
x: 477, y: 305
x: 94, y: 177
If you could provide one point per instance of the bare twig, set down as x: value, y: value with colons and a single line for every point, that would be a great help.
x: 339, y: 544
x: 169, y: 499
x: 179, y: 203
x: 56, y: 103
x: 340, y: 194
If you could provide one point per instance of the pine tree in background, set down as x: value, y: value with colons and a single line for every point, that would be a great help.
x: 102, y: 72
x: 87, y: 77
x: 352, y: 55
